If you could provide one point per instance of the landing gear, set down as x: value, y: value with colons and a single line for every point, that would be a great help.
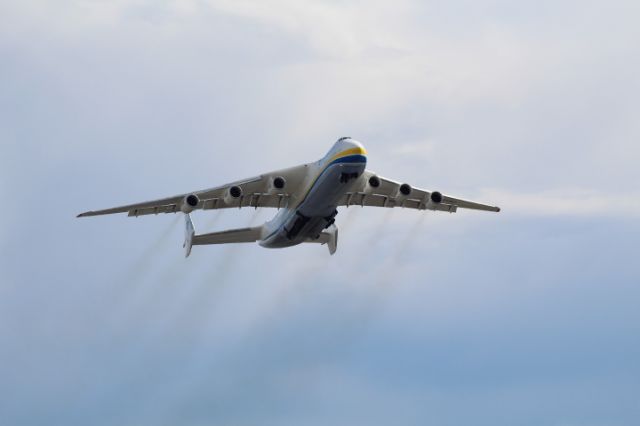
x: 331, y: 219
x: 300, y: 222
x: 346, y: 177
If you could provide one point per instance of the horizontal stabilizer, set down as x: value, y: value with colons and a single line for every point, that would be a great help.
x: 242, y: 235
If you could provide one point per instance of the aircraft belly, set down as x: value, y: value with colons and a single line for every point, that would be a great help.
x: 318, y: 208
x: 328, y: 189
x: 283, y: 237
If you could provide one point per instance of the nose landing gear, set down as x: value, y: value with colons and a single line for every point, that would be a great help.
x: 346, y: 177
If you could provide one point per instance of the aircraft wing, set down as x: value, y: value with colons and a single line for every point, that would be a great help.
x: 272, y: 189
x: 376, y: 191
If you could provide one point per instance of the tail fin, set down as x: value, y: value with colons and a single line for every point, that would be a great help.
x: 189, y: 233
x: 332, y: 242
x: 329, y: 237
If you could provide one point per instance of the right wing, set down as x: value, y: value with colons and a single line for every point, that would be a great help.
x: 260, y: 191
x: 388, y: 193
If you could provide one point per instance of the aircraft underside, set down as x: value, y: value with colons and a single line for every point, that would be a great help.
x: 317, y: 212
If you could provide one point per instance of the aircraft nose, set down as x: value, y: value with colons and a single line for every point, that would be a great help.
x: 348, y: 143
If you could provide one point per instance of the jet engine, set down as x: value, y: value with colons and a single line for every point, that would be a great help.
x: 189, y: 203
x: 404, y: 190
x: 232, y: 194
x: 434, y: 198
x: 374, y: 181
x: 277, y: 184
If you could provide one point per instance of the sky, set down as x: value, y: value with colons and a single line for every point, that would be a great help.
x: 526, y: 317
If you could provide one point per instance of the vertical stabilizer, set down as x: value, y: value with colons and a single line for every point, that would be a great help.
x: 189, y: 232
x: 332, y: 241
x: 329, y: 237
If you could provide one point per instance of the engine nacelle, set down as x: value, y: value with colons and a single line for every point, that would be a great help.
x: 374, y: 181
x: 404, y: 191
x: 434, y: 198
x: 232, y: 194
x: 277, y: 184
x: 189, y: 203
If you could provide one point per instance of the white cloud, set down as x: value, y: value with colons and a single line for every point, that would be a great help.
x: 116, y: 101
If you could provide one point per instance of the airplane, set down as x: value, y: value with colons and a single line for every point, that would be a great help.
x: 307, y: 198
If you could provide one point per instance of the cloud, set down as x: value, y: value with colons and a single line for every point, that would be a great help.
x: 106, y: 103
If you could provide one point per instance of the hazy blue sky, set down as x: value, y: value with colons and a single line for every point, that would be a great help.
x: 528, y: 317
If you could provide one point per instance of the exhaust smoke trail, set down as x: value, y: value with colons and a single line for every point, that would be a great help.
x: 371, y: 300
x: 373, y: 238
x: 136, y: 276
x: 196, y: 310
x: 349, y: 319
x: 190, y: 318
x: 300, y: 281
x: 350, y: 215
x: 213, y: 220
x: 141, y: 263
x: 254, y: 217
x: 385, y: 276
x: 186, y: 316
x: 197, y: 301
x: 307, y: 275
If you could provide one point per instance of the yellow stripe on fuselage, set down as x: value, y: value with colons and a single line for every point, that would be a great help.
x: 350, y: 151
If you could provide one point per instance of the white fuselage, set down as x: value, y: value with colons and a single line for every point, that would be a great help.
x: 314, y: 209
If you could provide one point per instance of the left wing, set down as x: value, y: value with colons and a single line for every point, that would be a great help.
x: 273, y: 189
x: 376, y: 191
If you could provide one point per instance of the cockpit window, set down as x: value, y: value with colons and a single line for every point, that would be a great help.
x: 343, y: 138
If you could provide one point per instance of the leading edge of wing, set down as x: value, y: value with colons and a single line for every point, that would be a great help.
x: 166, y: 205
x: 472, y: 205
x: 125, y: 209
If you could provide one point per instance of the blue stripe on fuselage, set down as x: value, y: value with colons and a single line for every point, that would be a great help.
x: 356, y: 158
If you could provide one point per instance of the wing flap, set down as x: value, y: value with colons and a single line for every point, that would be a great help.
x: 171, y: 208
x: 377, y: 200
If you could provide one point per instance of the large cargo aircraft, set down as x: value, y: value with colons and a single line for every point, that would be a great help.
x: 307, y: 198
